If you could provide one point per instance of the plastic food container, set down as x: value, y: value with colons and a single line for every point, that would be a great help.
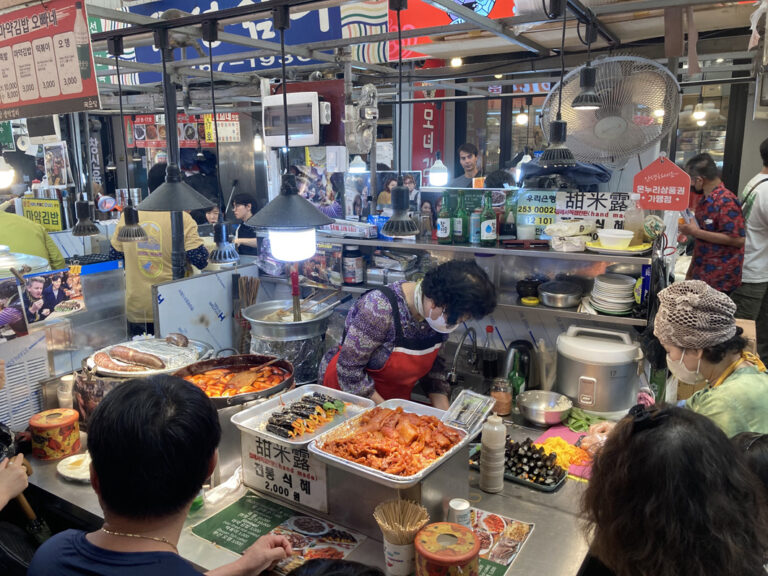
x: 617, y: 239
x: 446, y: 549
x: 55, y: 434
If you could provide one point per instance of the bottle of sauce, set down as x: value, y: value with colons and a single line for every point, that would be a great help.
x: 488, y: 232
x: 353, y: 265
x: 493, y: 439
x: 490, y: 355
x: 444, y: 221
x: 502, y: 393
x: 460, y: 222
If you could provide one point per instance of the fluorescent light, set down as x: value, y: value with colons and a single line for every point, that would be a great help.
x: 522, y: 119
x: 720, y: 60
x: 456, y: 62
x: 498, y: 76
x: 292, y: 245
x: 438, y: 173
x: 258, y: 143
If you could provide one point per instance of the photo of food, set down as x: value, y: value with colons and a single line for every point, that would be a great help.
x: 138, y: 132
x: 308, y: 525
x: 493, y: 523
x: 190, y: 132
x: 161, y: 131
x: 151, y: 132
x: 501, y: 539
x: 201, y: 131
x: 340, y: 538
x: 298, y: 541
x: 486, y: 541
x: 324, y: 551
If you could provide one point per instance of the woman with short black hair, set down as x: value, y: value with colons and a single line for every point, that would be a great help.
x: 669, y: 496
x: 393, y: 334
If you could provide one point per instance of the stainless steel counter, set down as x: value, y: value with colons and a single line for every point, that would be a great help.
x: 556, y: 546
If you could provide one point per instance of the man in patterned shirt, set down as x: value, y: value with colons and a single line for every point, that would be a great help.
x: 718, y: 229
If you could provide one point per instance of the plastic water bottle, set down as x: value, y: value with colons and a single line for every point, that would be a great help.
x: 634, y: 220
x: 493, y: 439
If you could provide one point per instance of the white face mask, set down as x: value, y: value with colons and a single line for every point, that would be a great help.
x: 438, y: 325
x: 682, y: 373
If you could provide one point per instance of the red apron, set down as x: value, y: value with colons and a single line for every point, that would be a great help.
x: 409, y: 361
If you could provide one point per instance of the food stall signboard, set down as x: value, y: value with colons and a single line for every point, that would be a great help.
x: 536, y: 208
x: 150, y: 131
x: 605, y: 209
x: 46, y: 66
x: 44, y: 211
x: 663, y: 185
x: 287, y: 472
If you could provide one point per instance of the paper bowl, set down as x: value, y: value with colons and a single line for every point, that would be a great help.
x: 618, y: 239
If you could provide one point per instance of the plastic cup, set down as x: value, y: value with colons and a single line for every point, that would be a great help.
x: 399, y: 558
x: 526, y: 232
x: 64, y: 395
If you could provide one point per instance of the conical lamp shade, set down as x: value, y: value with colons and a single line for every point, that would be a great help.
x: 225, y: 252
x: 131, y: 231
x: 171, y: 196
x: 400, y: 224
x: 84, y: 225
x: 289, y: 210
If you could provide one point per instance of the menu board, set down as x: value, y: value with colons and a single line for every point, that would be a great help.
x: 501, y: 540
x: 605, y: 209
x: 284, y: 471
x: 46, y: 66
x: 242, y: 523
x: 44, y: 211
x: 150, y: 131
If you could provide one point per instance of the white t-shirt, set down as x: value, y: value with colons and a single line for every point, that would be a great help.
x: 756, y: 248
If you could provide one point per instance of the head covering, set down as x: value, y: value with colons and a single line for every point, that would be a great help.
x: 693, y: 315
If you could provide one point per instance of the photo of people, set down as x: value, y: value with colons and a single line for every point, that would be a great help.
x: 11, y: 311
x: 358, y: 191
x: 56, y: 161
x: 51, y: 295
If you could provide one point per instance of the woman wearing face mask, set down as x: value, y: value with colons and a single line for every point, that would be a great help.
x: 696, y: 327
x: 393, y: 334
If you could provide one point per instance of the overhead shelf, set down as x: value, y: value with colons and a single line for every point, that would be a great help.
x: 572, y: 314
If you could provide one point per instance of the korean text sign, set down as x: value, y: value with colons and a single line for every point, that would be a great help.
x: 46, y: 66
x: 663, y: 185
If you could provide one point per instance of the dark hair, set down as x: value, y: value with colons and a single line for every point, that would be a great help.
x: 764, y: 151
x: 498, y: 178
x: 151, y: 441
x: 8, y: 289
x: 668, y: 496
x: 55, y: 277
x: 716, y: 353
x: 468, y: 148
x: 754, y: 446
x: 409, y: 177
x: 243, y: 198
x: 702, y: 165
x: 460, y: 287
x: 328, y: 567
x: 156, y: 175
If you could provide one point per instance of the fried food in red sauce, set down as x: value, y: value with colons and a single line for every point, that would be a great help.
x: 395, y: 442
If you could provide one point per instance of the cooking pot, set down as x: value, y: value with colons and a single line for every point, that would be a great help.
x: 243, y: 361
x: 560, y: 294
x: 598, y: 369
x: 18, y: 261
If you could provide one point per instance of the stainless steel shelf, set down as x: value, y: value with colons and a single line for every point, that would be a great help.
x: 472, y: 249
x: 573, y: 314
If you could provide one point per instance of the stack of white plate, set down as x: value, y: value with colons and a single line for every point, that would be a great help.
x: 613, y: 294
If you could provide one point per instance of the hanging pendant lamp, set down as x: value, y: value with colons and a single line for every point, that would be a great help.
x: 588, y: 98
x: 400, y: 223
x: 438, y: 173
x: 84, y: 225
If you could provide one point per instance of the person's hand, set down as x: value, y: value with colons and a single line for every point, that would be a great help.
x: 13, y: 478
x: 45, y: 312
x: 689, y: 228
x: 601, y: 428
x: 440, y: 401
x: 36, y: 305
x: 261, y: 555
x: 236, y: 241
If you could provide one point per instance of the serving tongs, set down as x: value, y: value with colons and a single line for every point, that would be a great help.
x: 307, y: 304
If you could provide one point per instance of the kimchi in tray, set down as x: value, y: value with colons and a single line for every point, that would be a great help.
x: 395, y: 444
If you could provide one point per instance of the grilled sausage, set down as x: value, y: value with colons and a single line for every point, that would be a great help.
x: 177, y: 339
x: 131, y: 356
x: 103, y: 360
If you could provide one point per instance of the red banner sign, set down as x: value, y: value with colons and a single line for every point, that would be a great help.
x: 46, y: 66
x: 428, y: 126
x: 663, y: 185
x: 149, y: 130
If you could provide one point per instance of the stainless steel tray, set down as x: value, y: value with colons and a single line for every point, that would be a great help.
x: 254, y: 420
x: 390, y: 480
x: 175, y: 357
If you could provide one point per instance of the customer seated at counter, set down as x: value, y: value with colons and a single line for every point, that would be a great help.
x: 669, y: 496
x: 153, y: 444
x: 393, y: 334
x: 695, y: 324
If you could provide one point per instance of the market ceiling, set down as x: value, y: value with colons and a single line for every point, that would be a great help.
x: 509, y: 50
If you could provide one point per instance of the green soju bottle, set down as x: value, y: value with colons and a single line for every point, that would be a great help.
x: 488, y: 233
x: 461, y: 222
x: 444, y: 229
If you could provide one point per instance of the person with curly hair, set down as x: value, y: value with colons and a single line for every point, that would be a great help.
x: 669, y: 496
x: 393, y: 334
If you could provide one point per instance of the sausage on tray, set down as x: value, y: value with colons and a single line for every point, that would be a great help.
x: 103, y: 360
x: 177, y: 339
x: 131, y: 356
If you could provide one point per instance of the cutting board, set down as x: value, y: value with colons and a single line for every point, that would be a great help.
x: 571, y: 437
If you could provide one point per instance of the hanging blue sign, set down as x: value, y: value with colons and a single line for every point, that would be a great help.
x: 312, y: 26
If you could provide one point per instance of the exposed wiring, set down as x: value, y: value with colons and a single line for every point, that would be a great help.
x: 220, y: 195
x: 399, y: 97
x: 562, y: 67
x: 122, y: 123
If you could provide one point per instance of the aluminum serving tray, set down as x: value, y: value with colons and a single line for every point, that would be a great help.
x: 390, y: 480
x: 254, y: 419
x: 174, y: 357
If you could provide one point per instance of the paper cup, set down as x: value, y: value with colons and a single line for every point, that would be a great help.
x: 64, y: 395
x: 458, y: 512
x: 399, y: 559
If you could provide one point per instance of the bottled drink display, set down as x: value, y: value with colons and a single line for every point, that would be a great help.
x: 460, y: 222
x: 488, y: 234
x: 474, y: 227
x: 508, y: 227
x: 490, y: 355
x: 82, y: 40
x: 444, y: 221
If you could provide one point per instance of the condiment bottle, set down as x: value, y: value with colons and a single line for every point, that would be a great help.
x: 502, y: 393
x: 353, y: 265
x: 488, y: 233
x: 460, y: 222
x: 490, y: 355
x: 494, y: 439
x: 444, y: 221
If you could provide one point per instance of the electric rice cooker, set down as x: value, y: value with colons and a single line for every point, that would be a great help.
x: 598, y: 369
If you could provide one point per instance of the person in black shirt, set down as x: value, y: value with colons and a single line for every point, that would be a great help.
x: 245, y: 236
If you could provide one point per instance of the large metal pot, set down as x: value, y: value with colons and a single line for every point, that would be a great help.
x: 598, y: 369
x: 240, y: 361
x: 301, y: 343
x: 560, y: 294
x: 18, y: 261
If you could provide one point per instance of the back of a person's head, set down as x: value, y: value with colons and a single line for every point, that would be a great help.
x: 754, y: 446
x: 156, y: 175
x: 498, y: 178
x: 764, y: 152
x: 703, y: 165
x: 668, y: 496
x: 327, y: 567
x: 461, y: 288
x: 151, y: 441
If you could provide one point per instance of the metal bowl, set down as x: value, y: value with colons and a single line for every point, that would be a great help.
x: 560, y: 294
x: 544, y: 408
